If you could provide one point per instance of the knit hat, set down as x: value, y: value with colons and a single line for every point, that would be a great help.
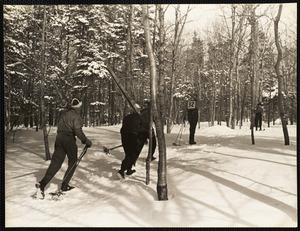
x: 136, y: 106
x: 76, y: 103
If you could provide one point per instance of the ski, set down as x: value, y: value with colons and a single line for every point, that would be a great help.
x: 122, y: 89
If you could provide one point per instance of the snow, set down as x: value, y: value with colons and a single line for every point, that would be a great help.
x: 222, y: 181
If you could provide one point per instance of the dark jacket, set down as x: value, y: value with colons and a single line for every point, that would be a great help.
x: 132, y: 123
x: 70, y: 123
x: 145, y: 115
x: 192, y: 115
x: 259, y: 109
x: 192, y: 111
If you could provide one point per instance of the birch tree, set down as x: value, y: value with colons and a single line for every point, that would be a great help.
x: 231, y: 69
x: 162, y: 190
x: 253, y: 63
x: 280, y: 78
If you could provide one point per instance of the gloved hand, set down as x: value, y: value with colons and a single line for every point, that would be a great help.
x: 88, y: 143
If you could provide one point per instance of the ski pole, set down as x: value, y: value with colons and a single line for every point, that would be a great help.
x: 76, y: 163
x: 106, y: 150
x: 58, y: 193
x: 181, y: 134
x: 178, y: 136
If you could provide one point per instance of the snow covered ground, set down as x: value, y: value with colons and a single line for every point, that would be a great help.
x: 222, y: 181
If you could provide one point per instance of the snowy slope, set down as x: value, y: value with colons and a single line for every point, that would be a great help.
x: 222, y: 181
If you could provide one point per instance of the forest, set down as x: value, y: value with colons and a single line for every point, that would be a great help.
x: 56, y: 52
x: 110, y: 56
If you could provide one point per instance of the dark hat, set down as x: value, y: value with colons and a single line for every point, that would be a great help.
x: 75, y: 103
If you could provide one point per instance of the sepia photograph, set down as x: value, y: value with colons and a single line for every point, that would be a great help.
x: 150, y: 115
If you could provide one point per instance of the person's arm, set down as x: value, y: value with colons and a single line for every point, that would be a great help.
x: 79, y: 132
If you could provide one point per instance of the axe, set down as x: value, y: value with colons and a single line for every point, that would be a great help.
x: 106, y: 150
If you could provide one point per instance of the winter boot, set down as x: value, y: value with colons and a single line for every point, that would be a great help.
x: 192, y: 139
x: 130, y: 172
x: 66, y: 187
x: 39, y: 191
x: 121, y: 175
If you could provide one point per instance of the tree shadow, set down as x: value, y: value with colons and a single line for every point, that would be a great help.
x: 287, y: 209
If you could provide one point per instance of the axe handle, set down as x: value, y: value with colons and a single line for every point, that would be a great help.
x: 116, y: 147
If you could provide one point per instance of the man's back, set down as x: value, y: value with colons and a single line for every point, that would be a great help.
x: 69, y: 121
x: 132, y: 123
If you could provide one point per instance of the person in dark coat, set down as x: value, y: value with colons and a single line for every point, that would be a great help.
x: 144, y: 135
x: 192, y: 115
x: 258, y: 116
x: 69, y: 126
x: 131, y: 127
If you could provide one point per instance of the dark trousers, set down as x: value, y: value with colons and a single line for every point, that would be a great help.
x: 130, y: 146
x: 258, y: 120
x: 142, y: 140
x: 64, y: 145
x: 193, y: 124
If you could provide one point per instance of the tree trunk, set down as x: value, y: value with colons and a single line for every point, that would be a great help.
x: 253, y: 68
x: 199, y: 96
x: 161, y: 52
x: 43, y: 71
x: 213, y: 107
x: 148, y: 160
x: 7, y: 112
x: 162, y: 190
x: 280, y: 79
x: 231, y: 69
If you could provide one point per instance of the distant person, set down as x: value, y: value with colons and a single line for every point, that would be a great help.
x: 69, y: 126
x: 143, y: 136
x: 192, y: 115
x: 131, y: 127
x: 258, y: 116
